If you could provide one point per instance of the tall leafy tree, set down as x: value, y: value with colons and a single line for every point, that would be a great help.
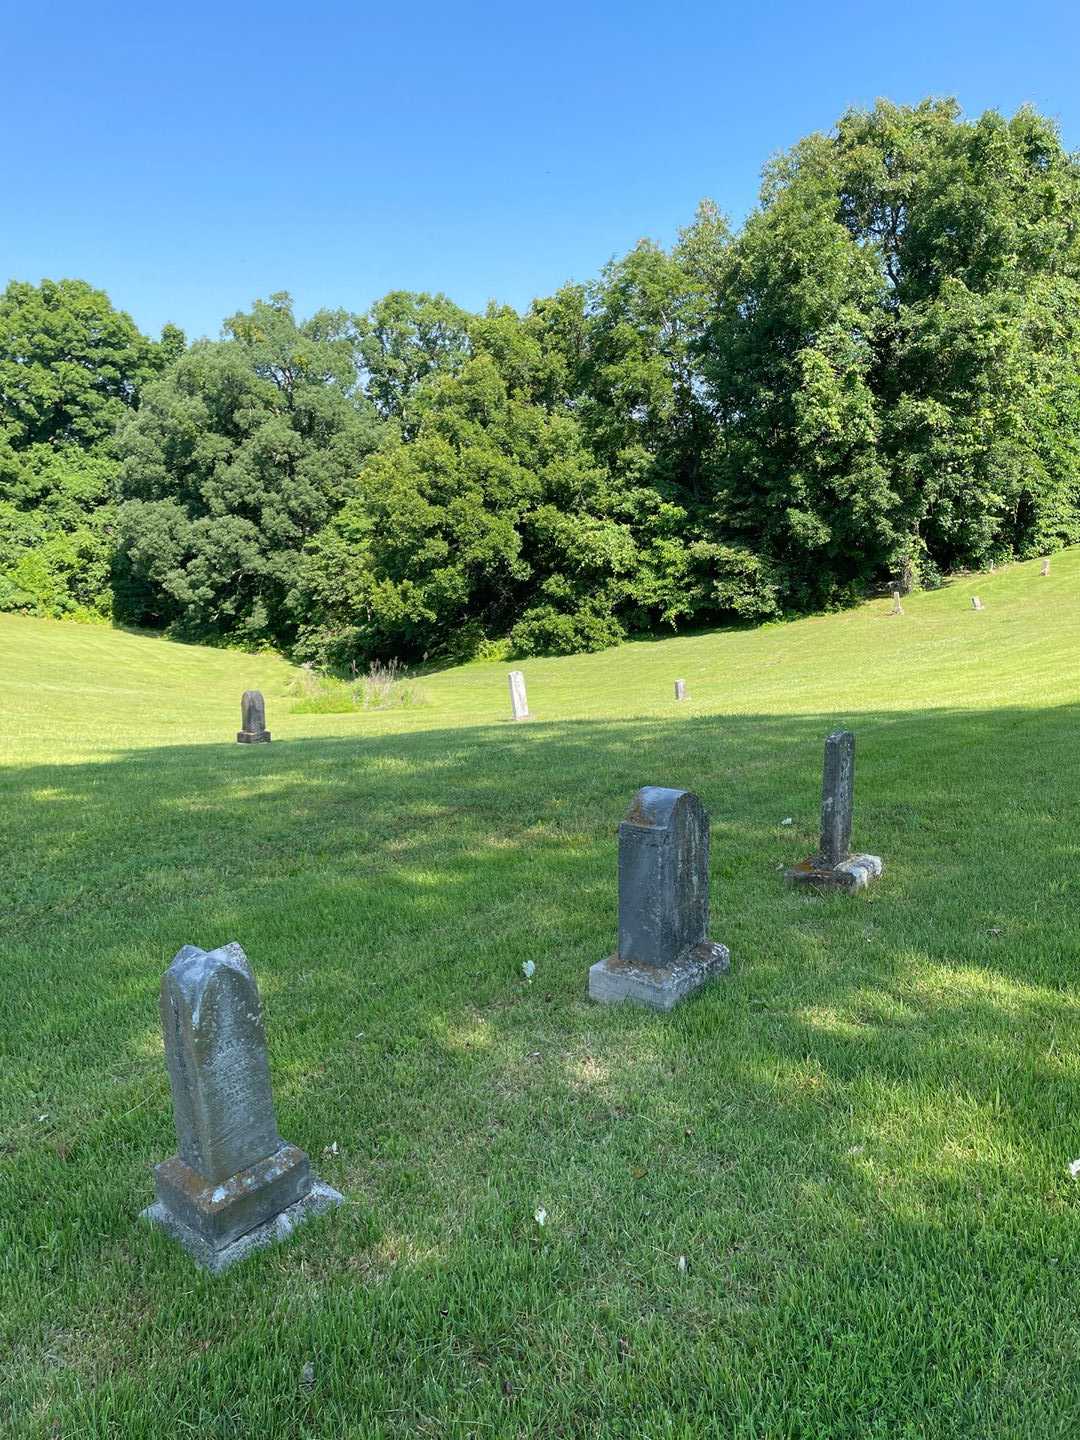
x: 405, y: 338
x: 57, y: 521
x: 892, y: 351
x: 71, y: 366
x: 71, y: 371
x: 237, y: 457
x: 972, y: 225
x: 495, y: 519
x: 787, y: 356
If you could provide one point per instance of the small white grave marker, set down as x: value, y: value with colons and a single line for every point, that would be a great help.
x: 518, y: 702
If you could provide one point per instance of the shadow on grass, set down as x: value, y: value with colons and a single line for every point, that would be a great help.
x: 436, y: 862
x: 883, y: 1085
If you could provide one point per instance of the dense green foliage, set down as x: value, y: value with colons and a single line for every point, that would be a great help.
x: 237, y: 458
x: 875, y: 380
x: 71, y: 368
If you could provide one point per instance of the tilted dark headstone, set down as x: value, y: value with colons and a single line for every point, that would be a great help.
x: 518, y: 702
x: 234, y: 1184
x: 680, y: 689
x: 253, y: 729
x: 834, y: 864
x: 664, y: 951
x: 837, y: 796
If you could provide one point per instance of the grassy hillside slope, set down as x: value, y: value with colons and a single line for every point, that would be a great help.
x: 860, y: 1141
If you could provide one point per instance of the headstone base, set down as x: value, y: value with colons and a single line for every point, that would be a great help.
x: 854, y: 873
x: 279, y: 1227
x: 660, y: 988
x: 210, y: 1218
x: 253, y: 737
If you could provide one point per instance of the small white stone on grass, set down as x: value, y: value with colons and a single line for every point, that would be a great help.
x: 681, y: 1265
x: 528, y: 968
x: 787, y: 821
x: 1074, y: 1168
x: 540, y: 1216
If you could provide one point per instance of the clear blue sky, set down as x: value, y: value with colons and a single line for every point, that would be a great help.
x: 189, y: 157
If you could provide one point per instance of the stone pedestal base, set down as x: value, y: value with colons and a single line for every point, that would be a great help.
x: 854, y: 873
x: 613, y: 980
x: 219, y: 1223
x: 253, y: 737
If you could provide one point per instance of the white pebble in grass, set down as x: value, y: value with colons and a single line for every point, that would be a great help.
x: 787, y: 821
x: 528, y: 968
x: 681, y: 1265
x: 540, y: 1216
x: 1074, y: 1168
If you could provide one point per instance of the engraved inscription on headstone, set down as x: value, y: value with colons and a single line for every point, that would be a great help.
x: 233, y: 1184
x: 664, y: 951
x: 834, y: 866
x: 253, y: 729
x: 518, y: 703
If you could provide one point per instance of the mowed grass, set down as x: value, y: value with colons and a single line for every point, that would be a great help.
x: 859, y: 1141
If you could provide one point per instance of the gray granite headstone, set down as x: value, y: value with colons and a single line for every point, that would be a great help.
x: 837, y: 796
x: 664, y: 951
x: 233, y: 1184
x: 253, y: 729
x: 976, y: 603
x: 680, y: 689
x: 518, y: 702
x: 834, y: 865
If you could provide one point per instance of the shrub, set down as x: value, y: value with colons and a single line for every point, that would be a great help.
x: 543, y: 630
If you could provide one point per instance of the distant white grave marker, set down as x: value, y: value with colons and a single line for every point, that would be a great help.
x: 518, y: 702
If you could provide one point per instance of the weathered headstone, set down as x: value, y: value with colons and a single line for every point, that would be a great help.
x: 834, y: 866
x: 664, y: 951
x: 976, y: 603
x: 234, y: 1184
x: 1046, y: 567
x: 897, y: 608
x: 253, y: 729
x: 680, y: 689
x: 518, y: 702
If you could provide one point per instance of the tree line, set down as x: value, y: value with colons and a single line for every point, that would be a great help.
x: 875, y: 380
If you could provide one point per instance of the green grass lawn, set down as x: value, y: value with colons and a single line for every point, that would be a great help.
x: 860, y: 1140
